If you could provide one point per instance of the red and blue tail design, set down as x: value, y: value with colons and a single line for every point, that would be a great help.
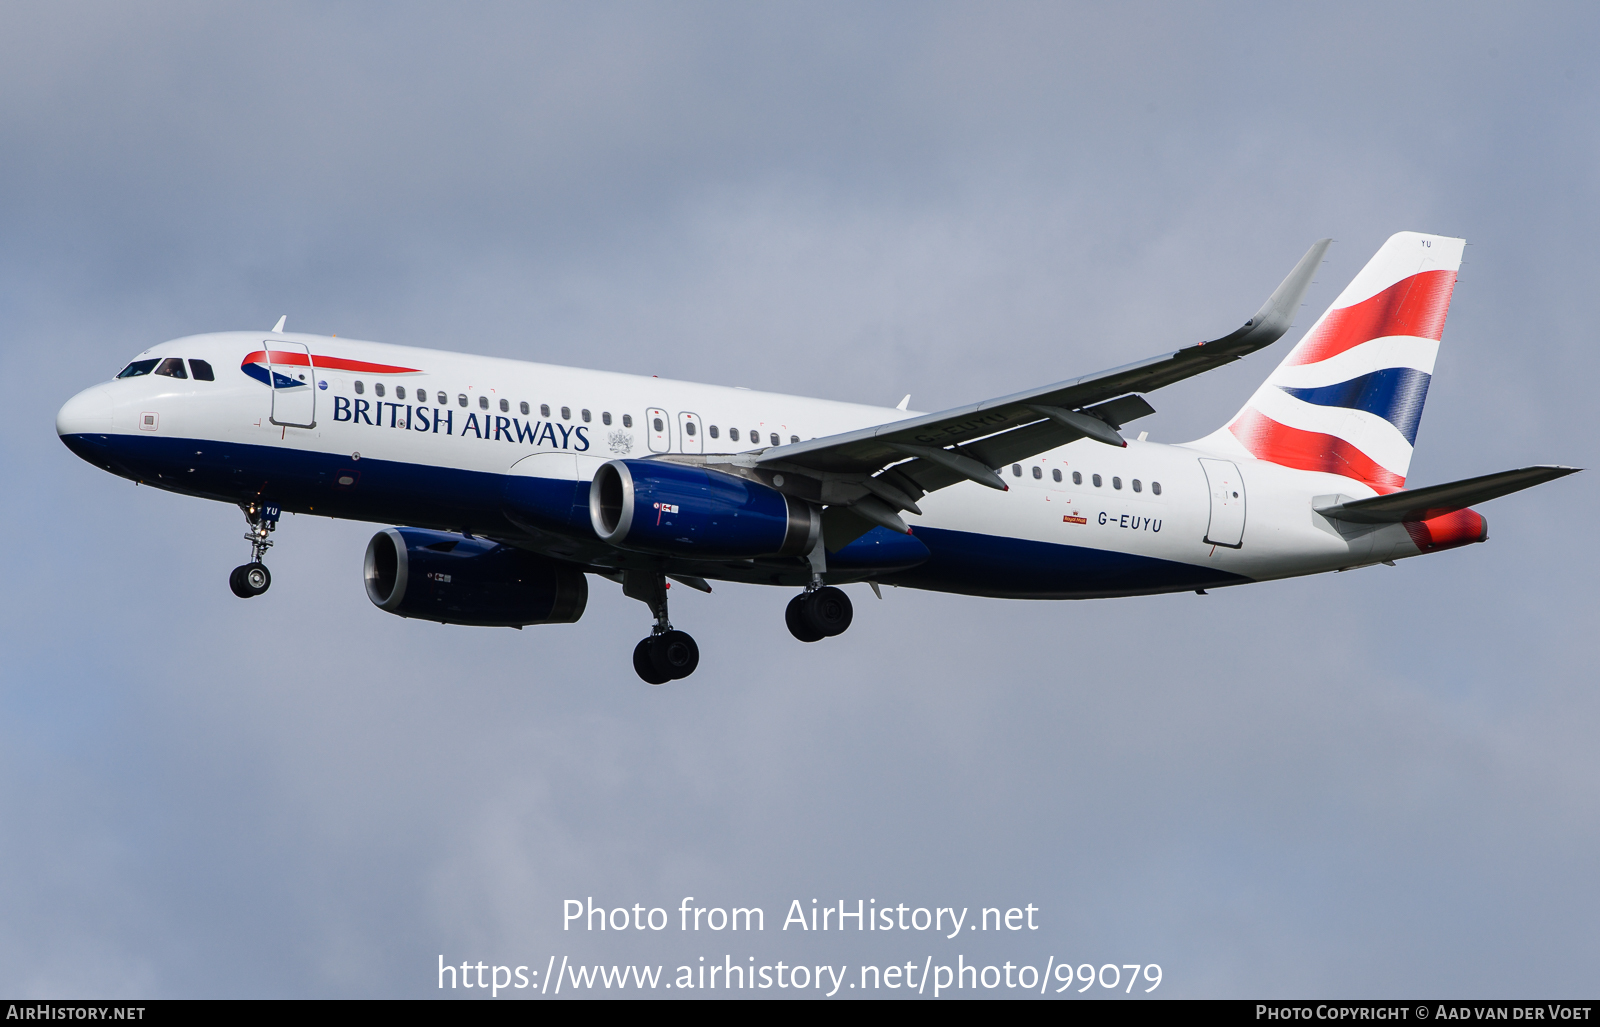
x: 1348, y: 398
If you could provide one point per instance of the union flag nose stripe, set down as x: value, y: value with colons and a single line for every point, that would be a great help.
x: 327, y: 363
x: 1310, y: 451
x: 273, y: 379
x: 1395, y: 394
x: 1412, y: 306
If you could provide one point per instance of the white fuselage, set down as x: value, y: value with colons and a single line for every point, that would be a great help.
x: 1144, y: 528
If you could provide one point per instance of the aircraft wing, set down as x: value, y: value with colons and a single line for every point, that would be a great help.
x: 884, y: 469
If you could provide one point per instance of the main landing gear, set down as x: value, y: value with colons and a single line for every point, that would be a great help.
x: 667, y: 654
x: 253, y: 578
x: 818, y: 613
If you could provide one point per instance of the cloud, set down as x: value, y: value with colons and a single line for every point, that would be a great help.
x: 1374, y: 782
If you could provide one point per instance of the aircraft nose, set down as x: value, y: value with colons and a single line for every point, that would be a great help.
x: 87, y: 413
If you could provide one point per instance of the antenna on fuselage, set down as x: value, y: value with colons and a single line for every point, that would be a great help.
x: 279, y: 326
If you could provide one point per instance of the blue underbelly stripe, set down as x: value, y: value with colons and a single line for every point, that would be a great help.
x: 995, y: 565
x: 449, y: 499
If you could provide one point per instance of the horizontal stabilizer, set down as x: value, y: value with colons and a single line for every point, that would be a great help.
x: 1438, y: 500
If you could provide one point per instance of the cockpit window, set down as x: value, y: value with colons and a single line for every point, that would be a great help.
x: 138, y: 367
x: 202, y: 371
x: 172, y: 367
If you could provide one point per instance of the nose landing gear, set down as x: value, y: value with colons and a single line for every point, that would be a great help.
x: 668, y: 654
x: 819, y: 613
x: 252, y: 579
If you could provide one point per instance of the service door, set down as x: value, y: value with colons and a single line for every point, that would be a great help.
x: 689, y: 429
x: 294, y: 386
x: 1227, y: 503
x: 655, y: 423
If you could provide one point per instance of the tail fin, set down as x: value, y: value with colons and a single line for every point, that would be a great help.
x: 1348, y: 397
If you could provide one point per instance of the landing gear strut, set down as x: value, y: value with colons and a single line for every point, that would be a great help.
x: 667, y: 654
x: 818, y: 613
x: 253, y: 578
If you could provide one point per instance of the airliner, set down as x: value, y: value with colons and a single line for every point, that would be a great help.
x: 513, y: 482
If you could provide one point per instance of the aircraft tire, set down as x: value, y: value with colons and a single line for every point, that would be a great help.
x: 828, y: 610
x: 795, y: 618
x: 645, y: 667
x: 674, y: 654
x: 250, y: 580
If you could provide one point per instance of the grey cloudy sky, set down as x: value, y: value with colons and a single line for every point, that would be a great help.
x: 1374, y: 783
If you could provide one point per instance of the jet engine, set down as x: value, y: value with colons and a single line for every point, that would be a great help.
x: 432, y: 575
x: 678, y: 510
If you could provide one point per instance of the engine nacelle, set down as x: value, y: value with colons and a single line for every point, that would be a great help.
x: 431, y: 575
x: 679, y: 510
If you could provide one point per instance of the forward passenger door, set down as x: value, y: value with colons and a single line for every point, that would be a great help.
x: 294, y: 387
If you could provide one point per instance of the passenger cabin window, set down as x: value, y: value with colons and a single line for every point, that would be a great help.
x: 399, y: 392
x: 483, y: 402
x: 1136, y: 486
x: 505, y: 406
x: 202, y: 371
x: 461, y: 398
x: 138, y: 367
x: 793, y: 439
x: 1155, y: 487
x: 443, y: 399
x: 775, y: 438
x: 585, y: 415
x: 378, y: 388
x: 733, y: 434
x: 627, y: 420
x: 1016, y: 470
x: 360, y: 388
x: 713, y: 431
x: 658, y: 426
x: 172, y: 367
x: 688, y: 428
x: 1056, y: 474
x: 1116, y: 483
x: 1038, y: 472
x: 544, y: 409
x: 1096, y: 480
x: 605, y: 418
x: 524, y: 408
x: 566, y: 413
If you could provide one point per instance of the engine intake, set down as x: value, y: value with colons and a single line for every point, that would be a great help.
x: 432, y: 575
x: 679, y: 510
